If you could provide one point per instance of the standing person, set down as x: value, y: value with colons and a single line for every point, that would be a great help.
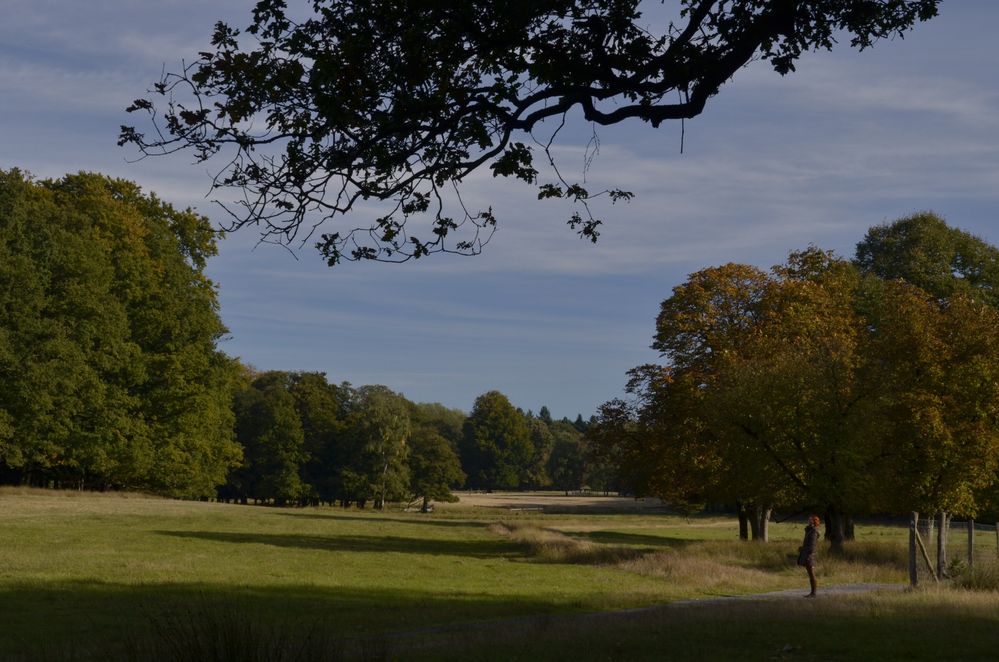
x: 806, y: 553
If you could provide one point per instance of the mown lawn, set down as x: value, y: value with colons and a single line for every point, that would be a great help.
x: 88, y: 576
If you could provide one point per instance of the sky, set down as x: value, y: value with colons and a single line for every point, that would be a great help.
x: 851, y: 140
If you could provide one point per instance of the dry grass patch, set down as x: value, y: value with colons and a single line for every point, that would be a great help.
x: 706, y: 566
x: 713, y: 566
x: 557, y: 547
x: 706, y: 574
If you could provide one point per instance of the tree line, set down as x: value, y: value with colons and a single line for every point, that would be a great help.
x: 111, y: 377
x: 856, y: 386
x: 847, y: 386
x: 308, y: 441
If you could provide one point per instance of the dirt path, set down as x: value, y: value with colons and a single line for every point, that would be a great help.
x: 791, y: 593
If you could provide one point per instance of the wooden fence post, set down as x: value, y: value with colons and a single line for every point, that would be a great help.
x: 941, y: 544
x: 913, y: 575
x: 971, y: 543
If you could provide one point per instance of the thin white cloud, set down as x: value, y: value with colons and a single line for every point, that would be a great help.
x: 40, y: 87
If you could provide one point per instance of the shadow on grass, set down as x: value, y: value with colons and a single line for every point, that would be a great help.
x: 418, y: 519
x: 100, y: 621
x: 355, y: 543
x: 784, y: 630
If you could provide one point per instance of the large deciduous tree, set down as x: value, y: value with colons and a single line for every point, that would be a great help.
x: 374, y: 463
x: 960, y: 269
x: 322, y: 409
x: 269, y: 426
x: 109, y: 368
x: 815, y: 386
x: 662, y: 438
x: 314, y: 114
x: 496, y: 448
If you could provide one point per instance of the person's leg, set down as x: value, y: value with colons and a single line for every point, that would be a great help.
x: 811, y: 579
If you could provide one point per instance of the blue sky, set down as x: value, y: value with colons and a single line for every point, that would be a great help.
x: 774, y: 164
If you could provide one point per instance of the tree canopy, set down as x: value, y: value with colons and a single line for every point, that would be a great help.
x: 817, y: 385
x: 496, y: 448
x: 923, y: 250
x: 318, y: 115
x: 110, y: 375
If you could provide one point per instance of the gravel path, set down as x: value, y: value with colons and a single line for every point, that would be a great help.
x: 838, y: 589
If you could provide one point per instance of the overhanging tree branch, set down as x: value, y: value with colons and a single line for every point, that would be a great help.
x: 386, y: 101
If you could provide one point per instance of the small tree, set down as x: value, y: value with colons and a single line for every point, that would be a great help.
x: 434, y: 468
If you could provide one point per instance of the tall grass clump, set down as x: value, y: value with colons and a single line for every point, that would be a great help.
x: 864, y: 561
x: 211, y: 631
x: 982, y: 576
x: 707, y: 566
x: 703, y: 572
x: 557, y: 547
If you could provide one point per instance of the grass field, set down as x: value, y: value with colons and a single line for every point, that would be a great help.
x: 99, y: 577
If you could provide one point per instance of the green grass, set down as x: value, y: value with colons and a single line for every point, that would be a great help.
x: 98, y: 576
x: 941, y: 625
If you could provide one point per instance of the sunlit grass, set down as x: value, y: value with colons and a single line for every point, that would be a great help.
x: 84, y: 572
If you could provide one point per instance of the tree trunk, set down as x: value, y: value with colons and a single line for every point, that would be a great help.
x: 754, y: 524
x: 743, y: 521
x: 943, y: 528
x: 835, y: 528
x: 971, y: 543
x: 426, y: 505
x: 761, y: 515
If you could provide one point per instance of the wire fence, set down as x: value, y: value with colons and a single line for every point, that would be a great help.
x: 933, y: 556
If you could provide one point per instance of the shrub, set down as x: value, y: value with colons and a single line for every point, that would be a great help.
x: 983, y: 576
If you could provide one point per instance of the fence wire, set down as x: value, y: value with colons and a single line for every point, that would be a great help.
x: 959, y: 550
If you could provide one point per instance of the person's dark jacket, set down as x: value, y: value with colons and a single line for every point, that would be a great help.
x: 806, y: 553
